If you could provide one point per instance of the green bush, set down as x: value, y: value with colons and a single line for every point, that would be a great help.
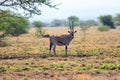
x: 103, y: 28
x: 13, y: 24
x: 3, y: 44
x: 107, y: 20
x: 38, y: 24
x: 40, y: 32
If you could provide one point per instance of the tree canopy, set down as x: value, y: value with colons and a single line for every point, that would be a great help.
x: 13, y: 24
x: 38, y: 24
x: 73, y: 21
x: 107, y: 20
x: 29, y: 6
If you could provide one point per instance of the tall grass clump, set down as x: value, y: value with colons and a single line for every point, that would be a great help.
x: 103, y: 28
x: 3, y: 44
x: 40, y: 32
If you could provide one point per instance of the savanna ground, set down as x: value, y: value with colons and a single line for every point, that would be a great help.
x: 27, y: 58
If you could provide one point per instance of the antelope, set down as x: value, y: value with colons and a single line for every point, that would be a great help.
x: 63, y: 40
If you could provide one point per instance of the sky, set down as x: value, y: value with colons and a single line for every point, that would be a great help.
x: 84, y: 9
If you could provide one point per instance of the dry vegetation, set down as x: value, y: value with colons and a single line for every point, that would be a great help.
x: 27, y: 58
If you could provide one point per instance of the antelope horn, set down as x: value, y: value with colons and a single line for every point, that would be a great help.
x: 71, y: 24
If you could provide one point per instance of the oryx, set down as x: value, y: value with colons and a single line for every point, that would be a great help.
x: 63, y: 40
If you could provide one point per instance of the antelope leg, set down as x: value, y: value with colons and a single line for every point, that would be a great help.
x: 66, y: 50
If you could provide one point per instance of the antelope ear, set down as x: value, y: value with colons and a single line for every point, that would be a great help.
x: 75, y: 31
x: 68, y: 31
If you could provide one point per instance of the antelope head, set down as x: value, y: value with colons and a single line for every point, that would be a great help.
x: 71, y: 32
x: 71, y: 25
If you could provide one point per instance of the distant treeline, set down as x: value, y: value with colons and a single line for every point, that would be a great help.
x: 64, y: 22
x: 107, y: 20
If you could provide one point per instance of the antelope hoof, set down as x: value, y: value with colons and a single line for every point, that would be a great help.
x: 55, y: 55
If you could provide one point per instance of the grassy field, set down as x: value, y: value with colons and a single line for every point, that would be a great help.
x: 27, y: 58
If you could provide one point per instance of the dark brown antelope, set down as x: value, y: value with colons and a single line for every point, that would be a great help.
x: 63, y: 40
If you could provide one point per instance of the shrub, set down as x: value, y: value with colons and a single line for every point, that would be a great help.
x: 107, y: 20
x: 13, y: 24
x: 3, y: 44
x: 40, y: 32
x: 103, y: 28
x: 38, y: 24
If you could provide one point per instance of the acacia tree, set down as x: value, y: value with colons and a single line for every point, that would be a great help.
x: 13, y: 24
x: 38, y: 24
x: 107, y: 20
x: 29, y: 6
x: 73, y: 21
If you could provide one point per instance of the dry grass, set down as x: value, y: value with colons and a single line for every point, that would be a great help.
x: 95, y: 59
x: 95, y: 40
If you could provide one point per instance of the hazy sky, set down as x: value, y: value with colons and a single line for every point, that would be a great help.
x: 84, y: 9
